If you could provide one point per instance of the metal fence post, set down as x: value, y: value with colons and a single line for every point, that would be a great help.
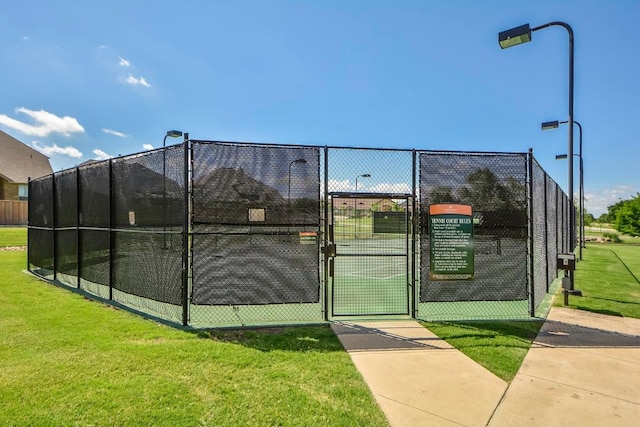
x: 28, y: 224
x: 111, y: 223
x: 326, y: 230
x: 53, y: 226
x: 414, y: 217
x: 185, y: 235
x: 532, y: 284
x: 78, y: 240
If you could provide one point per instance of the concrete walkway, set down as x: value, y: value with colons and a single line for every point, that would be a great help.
x: 583, y: 369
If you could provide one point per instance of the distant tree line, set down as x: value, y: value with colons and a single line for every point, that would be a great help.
x: 624, y: 215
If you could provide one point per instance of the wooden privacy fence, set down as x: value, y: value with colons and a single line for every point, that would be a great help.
x: 13, y: 212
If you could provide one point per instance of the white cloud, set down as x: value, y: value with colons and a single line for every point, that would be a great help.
x: 124, y: 62
x: 101, y: 155
x: 137, y: 81
x: 596, y: 202
x: 113, y: 132
x: 336, y: 185
x: 53, y: 150
x: 46, y: 123
x: 387, y: 187
x: 25, y: 38
x: 147, y: 146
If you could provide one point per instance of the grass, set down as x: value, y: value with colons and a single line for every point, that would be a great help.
x: 66, y: 360
x: 609, y: 278
x: 13, y: 236
x: 499, y: 346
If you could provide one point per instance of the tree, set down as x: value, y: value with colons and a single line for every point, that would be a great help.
x: 612, y: 212
x: 442, y: 194
x: 628, y: 217
x: 487, y: 193
x: 588, y: 218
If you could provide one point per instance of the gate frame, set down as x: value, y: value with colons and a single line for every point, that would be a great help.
x: 330, y: 252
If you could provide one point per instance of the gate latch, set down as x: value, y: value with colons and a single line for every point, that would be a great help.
x: 329, y: 250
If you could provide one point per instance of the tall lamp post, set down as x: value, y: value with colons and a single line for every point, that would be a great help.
x: 355, y: 205
x: 169, y: 134
x: 553, y: 125
x: 522, y: 34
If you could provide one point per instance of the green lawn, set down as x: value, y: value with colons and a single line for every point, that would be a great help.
x: 67, y: 360
x: 499, y: 346
x: 609, y: 278
x: 13, y: 236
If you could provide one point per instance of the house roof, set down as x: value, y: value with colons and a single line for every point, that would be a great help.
x: 19, y: 162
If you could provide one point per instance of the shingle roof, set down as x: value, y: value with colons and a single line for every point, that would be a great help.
x: 19, y: 162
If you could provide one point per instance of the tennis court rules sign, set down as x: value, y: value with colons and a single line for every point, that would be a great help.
x: 451, y: 242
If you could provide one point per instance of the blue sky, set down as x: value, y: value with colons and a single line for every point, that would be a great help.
x: 95, y: 79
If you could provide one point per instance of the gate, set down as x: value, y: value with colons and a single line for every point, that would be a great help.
x: 370, y: 265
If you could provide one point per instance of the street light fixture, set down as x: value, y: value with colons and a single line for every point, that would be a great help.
x: 522, y: 34
x: 171, y: 134
x: 553, y: 125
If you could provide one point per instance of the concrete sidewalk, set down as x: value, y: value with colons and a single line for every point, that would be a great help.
x: 583, y: 369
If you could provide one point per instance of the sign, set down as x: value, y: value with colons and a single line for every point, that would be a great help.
x: 451, y: 242
x: 308, y: 237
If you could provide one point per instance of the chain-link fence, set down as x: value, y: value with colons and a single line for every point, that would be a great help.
x: 210, y: 233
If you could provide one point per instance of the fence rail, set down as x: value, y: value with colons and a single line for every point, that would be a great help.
x: 13, y: 212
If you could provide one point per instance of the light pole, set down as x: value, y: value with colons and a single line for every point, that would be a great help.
x: 522, y: 34
x: 553, y: 125
x: 355, y: 204
x: 580, y: 204
x: 172, y: 134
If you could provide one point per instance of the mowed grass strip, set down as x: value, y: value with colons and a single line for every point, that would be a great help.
x: 13, y: 236
x: 499, y: 346
x: 67, y: 360
x: 608, y: 278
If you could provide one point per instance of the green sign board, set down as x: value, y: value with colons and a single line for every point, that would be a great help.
x: 451, y: 242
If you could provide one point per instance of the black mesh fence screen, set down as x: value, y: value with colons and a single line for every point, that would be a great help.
x: 41, y: 251
x: 93, y: 196
x: 552, y: 227
x: 255, y: 208
x: 148, y: 190
x: 41, y: 202
x: 66, y: 250
x: 495, y: 186
x: 539, y: 234
x: 258, y: 234
x: 41, y: 222
x: 95, y: 256
x: 143, y: 268
x: 66, y: 198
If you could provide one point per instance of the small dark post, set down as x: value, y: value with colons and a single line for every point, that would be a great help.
x: 327, y: 230
x: 532, y: 284
x: 111, y: 232
x: 185, y: 235
x: 78, y: 240
x: 53, y: 225
x: 28, y: 225
x: 414, y: 223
